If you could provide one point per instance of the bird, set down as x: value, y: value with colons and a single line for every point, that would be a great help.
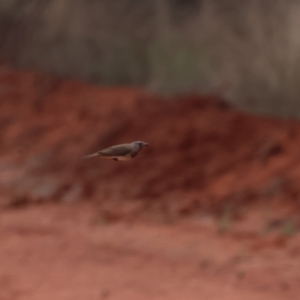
x: 120, y: 152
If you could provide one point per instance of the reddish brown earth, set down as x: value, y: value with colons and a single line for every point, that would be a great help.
x: 209, y: 211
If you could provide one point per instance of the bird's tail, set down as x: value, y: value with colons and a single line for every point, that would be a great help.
x: 91, y: 155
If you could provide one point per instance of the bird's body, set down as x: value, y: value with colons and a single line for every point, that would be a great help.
x: 120, y: 152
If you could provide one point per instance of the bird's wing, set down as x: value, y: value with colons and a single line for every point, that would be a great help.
x: 118, y: 150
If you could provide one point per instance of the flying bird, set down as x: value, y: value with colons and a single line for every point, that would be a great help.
x: 120, y: 152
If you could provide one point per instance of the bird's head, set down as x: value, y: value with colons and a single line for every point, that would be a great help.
x: 139, y: 144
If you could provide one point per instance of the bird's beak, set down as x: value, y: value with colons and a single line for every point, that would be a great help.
x: 146, y: 144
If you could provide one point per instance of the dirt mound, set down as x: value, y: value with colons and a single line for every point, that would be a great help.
x: 224, y: 171
x: 203, y: 155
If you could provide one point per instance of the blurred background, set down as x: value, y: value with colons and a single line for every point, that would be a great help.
x: 210, y: 209
x: 248, y: 51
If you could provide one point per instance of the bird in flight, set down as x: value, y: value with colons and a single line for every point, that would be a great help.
x: 120, y: 152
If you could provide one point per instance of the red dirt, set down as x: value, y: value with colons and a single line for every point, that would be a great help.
x: 209, y: 211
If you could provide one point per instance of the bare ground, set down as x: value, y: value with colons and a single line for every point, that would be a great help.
x: 209, y: 211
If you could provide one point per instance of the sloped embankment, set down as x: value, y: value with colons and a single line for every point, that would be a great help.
x: 203, y: 153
